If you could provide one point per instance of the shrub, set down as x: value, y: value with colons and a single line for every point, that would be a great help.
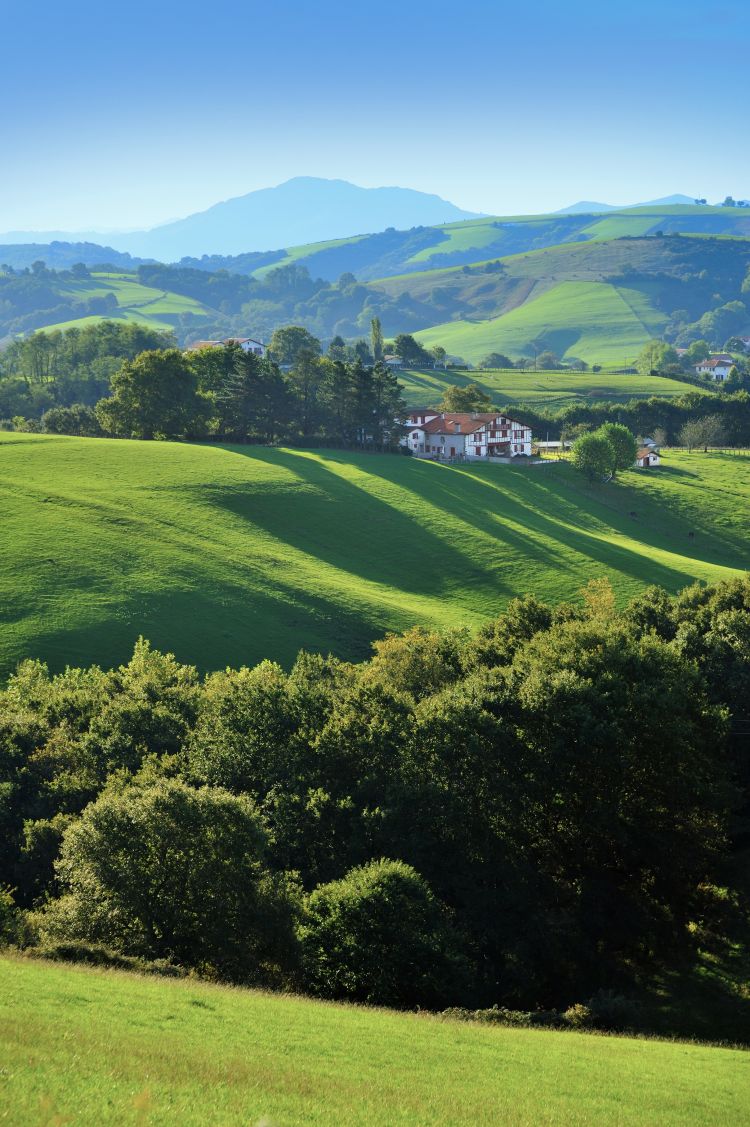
x: 170, y: 872
x: 578, y: 1016
x: 380, y: 936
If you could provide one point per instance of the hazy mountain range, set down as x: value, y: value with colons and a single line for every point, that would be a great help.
x: 303, y: 210
x: 586, y: 207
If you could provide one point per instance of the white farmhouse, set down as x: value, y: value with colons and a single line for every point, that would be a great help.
x: 247, y: 344
x: 718, y: 367
x: 465, y: 435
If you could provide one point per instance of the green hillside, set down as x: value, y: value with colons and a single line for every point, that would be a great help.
x: 157, y: 308
x: 471, y: 240
x: 230, y: 555
x: 592, y: 321
x: 597, y: 299
x: 94, y: 1047
x: 549, y: 390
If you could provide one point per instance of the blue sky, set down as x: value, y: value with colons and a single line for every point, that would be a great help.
x: 119, y: 116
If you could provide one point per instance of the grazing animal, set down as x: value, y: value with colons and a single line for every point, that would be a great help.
x: 633, y: 513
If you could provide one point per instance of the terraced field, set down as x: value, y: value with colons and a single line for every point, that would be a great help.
x: 227, y: 555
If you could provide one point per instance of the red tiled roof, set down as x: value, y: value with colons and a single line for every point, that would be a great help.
x: 464, y: 422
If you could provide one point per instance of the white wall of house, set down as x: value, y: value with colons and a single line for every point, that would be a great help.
x: 504, y: 437
x: 717, y: 371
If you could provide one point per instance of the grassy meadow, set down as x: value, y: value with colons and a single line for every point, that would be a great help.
x: 544, y: 390
x: 93, y: 1047
x: 227, y: 555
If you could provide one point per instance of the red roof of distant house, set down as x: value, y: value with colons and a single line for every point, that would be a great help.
x: 644, y: 453
x: 716, y: 362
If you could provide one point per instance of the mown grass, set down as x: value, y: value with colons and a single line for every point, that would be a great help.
x: 593, y: 321
x: 227, y: 555
x: 547, y: 390
x: 91, y: 1047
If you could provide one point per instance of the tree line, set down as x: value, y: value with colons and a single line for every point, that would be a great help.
x: 524, y: 815
x: 345, y: 397
x: 643, y: 416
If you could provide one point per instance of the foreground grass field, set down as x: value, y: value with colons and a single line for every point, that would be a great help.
x: 91, y: 1047
x: 542, y: 390
x: 229, y: 555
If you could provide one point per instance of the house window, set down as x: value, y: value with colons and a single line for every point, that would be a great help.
x: 478, y: 451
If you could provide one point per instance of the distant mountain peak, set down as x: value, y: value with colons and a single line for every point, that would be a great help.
x: 304, y: 209
x: 586, y: 207
x: 589, y: 207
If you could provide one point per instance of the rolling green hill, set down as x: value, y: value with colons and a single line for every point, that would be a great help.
x: 472, y: 240
x: 95, y: 1047
x: 598, y: 300
x: 229, y: 555
x: 593, y: 321
x: 135, y: 302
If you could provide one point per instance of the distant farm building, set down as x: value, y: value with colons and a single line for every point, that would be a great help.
x: 646, y: 458
x: 462, y: 435
x: 393, y: 361
x: 716, y: 367
x: 247, y: 344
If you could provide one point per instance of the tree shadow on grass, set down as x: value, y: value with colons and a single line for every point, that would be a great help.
x: 345, y: 526
x: 553, y: 519
x: 211, y: 629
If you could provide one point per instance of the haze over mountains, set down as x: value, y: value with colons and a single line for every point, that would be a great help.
x: 305, y: 209
x: 589, y: 206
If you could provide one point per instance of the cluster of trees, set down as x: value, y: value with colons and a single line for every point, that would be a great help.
x: 661, y: 359
x: 523, y: 815
x: 283, y: 295
x: 234, y: 395
x: 601, y: 453
x: 130, y: 381
x: 37, y: 296
x: 51, y: 370
x: 544, y: 361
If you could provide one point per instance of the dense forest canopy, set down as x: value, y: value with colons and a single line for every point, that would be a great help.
x: 555, y: 805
